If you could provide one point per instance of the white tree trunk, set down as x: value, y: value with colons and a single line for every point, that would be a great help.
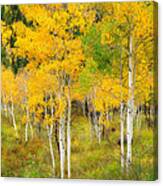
x: 122, y: 134
x: 90, y: 122
x: 26, y: 132
x: 96, y: 122
x: 14, y: 120
x: 97, y: 126
x: 50, y: 131
x: 99, y: 133
x: 121, y: 115
x: 107, y: 115
x: 27, y: 124
x: 62, y: 144
x: 69, y: 135
x: 130, y: 109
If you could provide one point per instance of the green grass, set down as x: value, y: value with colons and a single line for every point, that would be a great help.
x: 89, y: 160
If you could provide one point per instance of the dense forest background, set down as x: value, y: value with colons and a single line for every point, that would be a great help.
x: 79, y: 90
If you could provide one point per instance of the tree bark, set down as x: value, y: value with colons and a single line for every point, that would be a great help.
x: 96, y: 122
x: 56, y: 137
x: 62, y: 144
x: 90, y: 120
x: 13, y: 119
x: 122, y: 116
x: 97, y: 127
x: 26, y: 132
x: 69, y: 133
x: 62, y: 128
x: 122, y: 134
x: 130, y: 109
x: 50, y: 131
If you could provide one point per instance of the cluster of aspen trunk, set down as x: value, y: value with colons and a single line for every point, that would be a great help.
x: 61, y: 129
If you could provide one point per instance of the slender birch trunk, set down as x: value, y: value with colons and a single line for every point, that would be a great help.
x: 130, y: 109
x: 62, y: 144
x: 99, y: 133
x: 96, y: 123
x: 56, y: 138
x: 122, y: 118
x: 105, y: 129
x: 122, y: 135
x: 69, y: 133
x: 90, y: 121
x: 107, y: 115
x: 50, y: 131
x: 26, y: 132
x: 97, y: 127
x: 61, y: 135
x: 13, y: 119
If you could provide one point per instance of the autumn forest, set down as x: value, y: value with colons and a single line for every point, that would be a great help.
x: 79, y: 90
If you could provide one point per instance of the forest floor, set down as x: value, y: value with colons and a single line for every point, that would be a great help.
x: 89, y: 160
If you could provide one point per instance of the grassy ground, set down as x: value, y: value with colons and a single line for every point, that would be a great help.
x: 89, y: 160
